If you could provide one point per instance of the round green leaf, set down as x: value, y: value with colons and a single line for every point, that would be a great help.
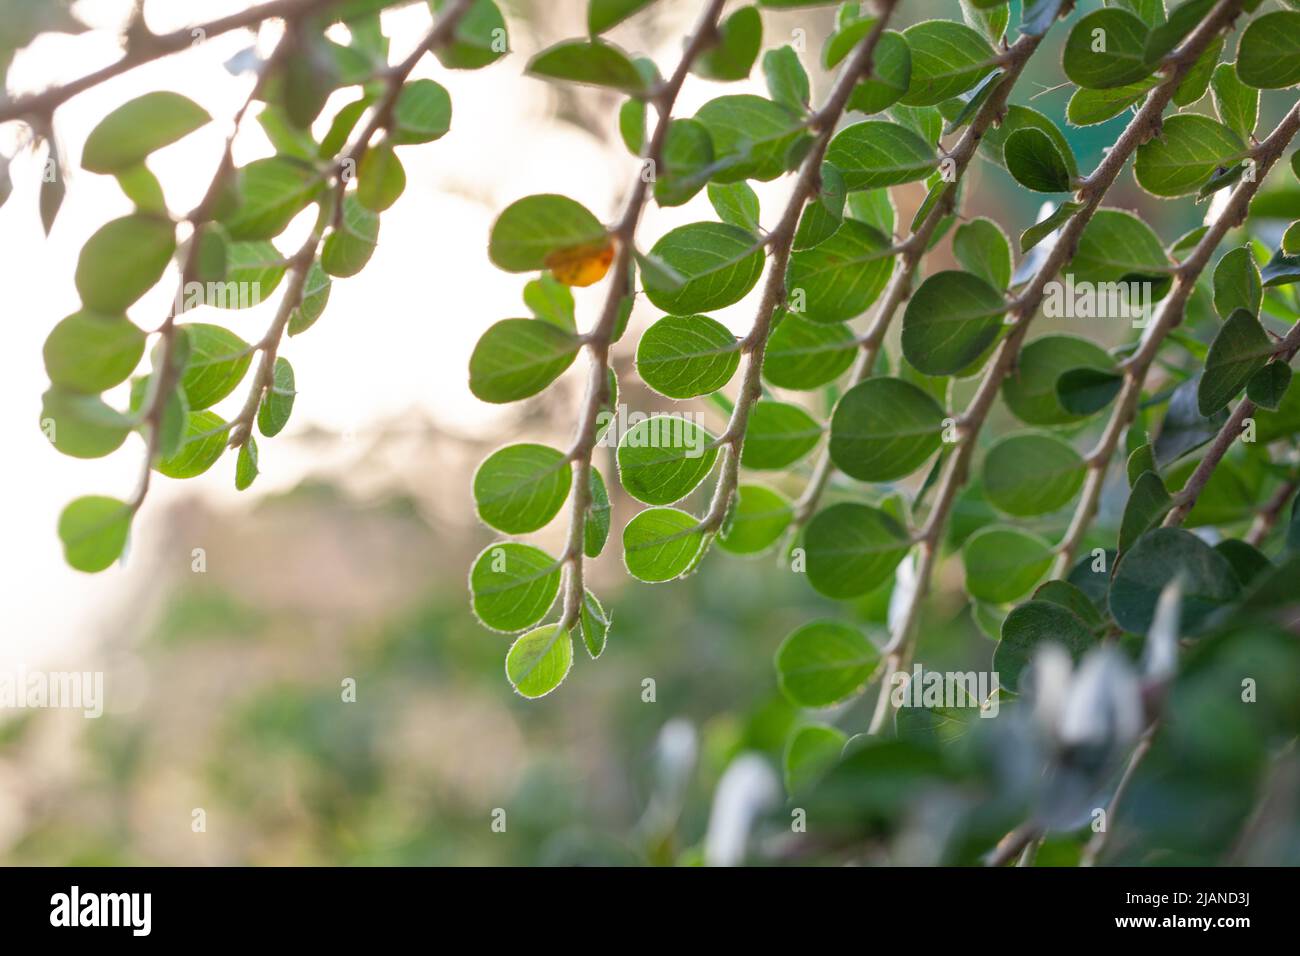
x: 1090, y: 107
x: 422, y: 113
x: 1236, y: 103
x: 760, y: 517
x: 277, y: 404
x: 1238, y: 351
x: 947, y: 58
x: 202, y: 442
x: 660, y: 544
x: 594, y: 62
x: 520, y: 488
x: 950, y: 321
x: 131, y: 132
x: 810, y: 751
x: 271, y: 192
x: 1188, y: 151
x: 122, y: 261
x: 1003, y: 563
x: 1031, y: 474
x: 94, y: 530
x: 89, y: 352
x: 852, y: 549
x: 719, y: 263
x: 1268, y: 56
x: 839, y: 278
x: 983, y: 249
x: 479, y: 39
x: 1237, y: 283
x: 823, y: 663
x: 516, y: 358
x: 1158, y: 557
x: 732, y: 57
x: 884, y: 429
x: 804, y: 355
x: 1035, y: 162
x: 752, y: 134
x: 539, y: 660
x: 662, y: 458
x: 1117, y: 245
x: 1106, y: 49
x: 1030, y: 390
x: 682, y: 356
x: 778, y: 434
x: 513, y: 585
x: 891, y: 75
x: 1028, y: 627
x: 218, y: 360
x: 82, y: 425
x: 381, y: 180
x: 348, y: 248
x: 878, y: 153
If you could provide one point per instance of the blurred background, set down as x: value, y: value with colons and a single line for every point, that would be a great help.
x: 348, y: 558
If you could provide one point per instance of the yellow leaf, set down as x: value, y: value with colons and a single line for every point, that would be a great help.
x: 581, y: 265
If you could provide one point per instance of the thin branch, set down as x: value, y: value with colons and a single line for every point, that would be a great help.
x: 153, y: 47
x: 1098, y: 842
x: 600, y: 338
x: 911, y: 251
x: 1267, y: 519
x: 1145, y: 124
x: 782, y: 243
x: 1169, y: 315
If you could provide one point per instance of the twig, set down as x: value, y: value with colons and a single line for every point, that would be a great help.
x: 1098, y: 842
x: 1169, y: 315
x: 1090, y: 193
x: 1267, y: 519
x: 598, y: 341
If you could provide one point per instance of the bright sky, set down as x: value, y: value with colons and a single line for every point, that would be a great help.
x: 395, y: 338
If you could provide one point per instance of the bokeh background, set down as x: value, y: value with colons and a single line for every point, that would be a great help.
x: 348, y: 557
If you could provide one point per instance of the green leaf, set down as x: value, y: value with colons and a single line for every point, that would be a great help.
x: 1239, y: 350
x: 719, y: 263
x: 1237, y: 283
x: 246, y: 464
x: 660, y: 544
x: 202, y: 443
x: 877, y: 153
x: 751, y: 136
x: 218, y: 360
x: 1046, y: 226
x: 594, y: 62
x: 947, y: 58
x: 1003, y: 564
x: 530, y: 230
x: 810, y: 751
x: 122, y: 261
x: 890, y: 78
x: 1030, y: 390
x: 257, y: 267
x: 594, y: 625
x: 804, y: 355
x: 1035, y: 162
x: 479, y: 39
x: 90, y: 352
x: 1089, y: 107
x: 823, y: 663
x: 520, y: 488
x: 1072, y: 598
x: 736, y: 204
x: 1247, y: 561
x: 1106, y: 49
x: 787, y: 81
x: 687, y: 162
x: 1036, y: 16
x: 1027, y: 628
x: 1155, y: 560
x: 1184, y: 428
x: 662, y: 458
x: 1186, y: 154
x: 1268, y: 56
x: 349, y: 247
x: 539, y: 660
x: 682, y: 356
x: 277, y: 404
x: 1268, y: 386
x: 516, y: 358
x: 1117, y: 245
x: 381, y: 180
x: 131, y: 132
x: 631, y: 125
x: 1182, y: 20
x: 1148, y: 503
x: 950, y: 321
x: 760, y: 517
x: 778, y: 435
x: 1086, y: 391
x: 603, y: 14
x: 422, y: 113
x: 595, y: 519
x: 884, y: 429
x: 315, y: 296
x: 983, y: 249
x: 175, y: 414
x: 94, y: 530
x: 852, y: 549
x: 732, y: 57
x: 143, y: 189
x: 271, y: 193
x: 824, y: 212
x: 82, y: 426
x: 1031, y: 474
x: 1142, y: 459
x: 838, y: 279
x: 513, y: 585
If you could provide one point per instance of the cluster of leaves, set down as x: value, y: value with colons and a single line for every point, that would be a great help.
x: 340, y: 172
x: 896, y: 428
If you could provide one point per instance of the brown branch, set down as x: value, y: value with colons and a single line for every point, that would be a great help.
x: 1169, y: 315
x: 1267, y: 519
x: 1090, y: 193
